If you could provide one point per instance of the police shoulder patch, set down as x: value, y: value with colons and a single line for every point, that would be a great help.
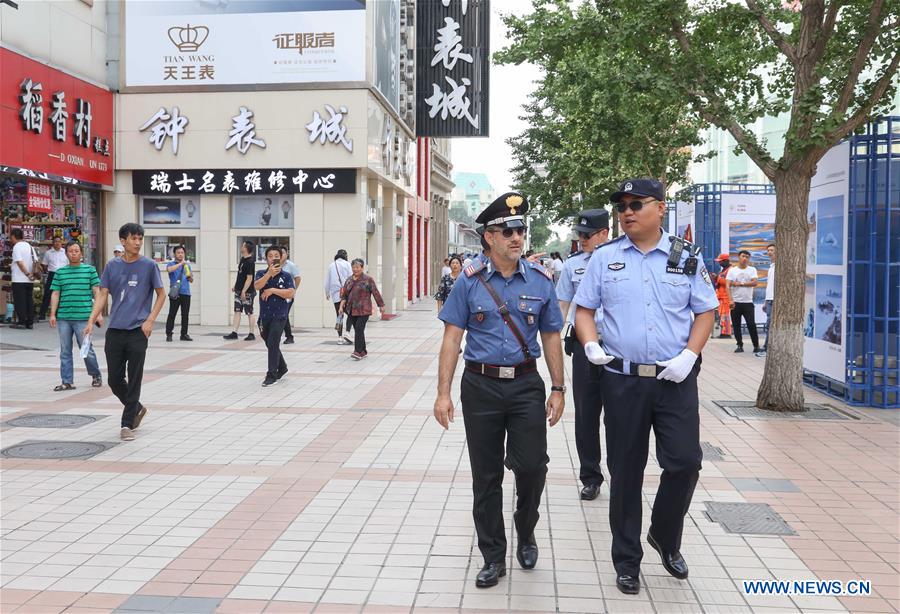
x: 474, y: 268
x: 537, y: 267
x: 705, y: 275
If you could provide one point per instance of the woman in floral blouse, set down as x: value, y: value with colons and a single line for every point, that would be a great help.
x: 447, y: 282
x: 356, y: 302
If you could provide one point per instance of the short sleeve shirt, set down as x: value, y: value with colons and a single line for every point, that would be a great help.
x: 131, y: 287
x: 75, y: 286
x: 246, y: 268
x: 742, y: 294
x: 21, y: 252
x: 572, y: 273
x: 274, y: 307
x: 174, y: 276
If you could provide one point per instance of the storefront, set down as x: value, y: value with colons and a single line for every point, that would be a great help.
x: 56, y: 158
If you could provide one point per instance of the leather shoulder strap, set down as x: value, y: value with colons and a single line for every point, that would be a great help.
x: 504, y: 313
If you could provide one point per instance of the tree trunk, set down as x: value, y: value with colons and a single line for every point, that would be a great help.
x: 781, y: 388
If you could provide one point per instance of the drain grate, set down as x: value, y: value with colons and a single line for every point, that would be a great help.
x: 751, y: 518
x: 711, y: 452
x: 51, y: 421
x: 746, y: 409
x: 56, y: 449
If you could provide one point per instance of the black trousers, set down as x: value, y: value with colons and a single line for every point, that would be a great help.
x: 184, y: 302
x: 23, y: 302
x: 45, y: 302
x: 270, y: 331
x: 494, y: 410
x: 288, y: 333
x: 125, y: 351
x: 748, y: 312
x: 586, y: 381
x: 632, y: 406
x: 359, y: 330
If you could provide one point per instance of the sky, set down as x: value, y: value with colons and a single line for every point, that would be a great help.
x: 510, y: 87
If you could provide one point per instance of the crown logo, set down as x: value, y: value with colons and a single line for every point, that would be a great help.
x: 188, y: 38
x: 512, y: 202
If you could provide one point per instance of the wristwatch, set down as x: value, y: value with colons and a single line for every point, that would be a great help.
x: 558, y: 389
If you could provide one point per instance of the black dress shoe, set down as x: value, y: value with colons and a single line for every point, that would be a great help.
x: 168, y: 337
x: 630, y: 585
x: 527, y: 553
x: 590, y: 492
x: 739, y: 349
x: 490, y: 574
x: 230, y: 336
x: 672, y: 561
x: 288, y: 340
x: 186, y: 338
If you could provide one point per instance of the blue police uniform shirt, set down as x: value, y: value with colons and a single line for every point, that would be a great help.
x: 573, y: 272
x: 530, y: 298
x: 647, y: 310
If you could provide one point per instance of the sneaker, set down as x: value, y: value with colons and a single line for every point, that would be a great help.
x: 168, y: 337
x: 126, y: 434
x: 756, y: 350
x: 269, y: 381
x: 230, y: 336
x: 356, y: 356
x: 97, y: 381
x: 186, y: 338
x: 724, y: 336
x: 739, y: 350
x: 288, y: 340
x: 140, y: 416
x: 250, y: 337
x: 281, y: 373
x: 347, y: 341
x: 760, y: 354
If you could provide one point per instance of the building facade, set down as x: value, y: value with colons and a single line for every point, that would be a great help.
x: 440, y: 187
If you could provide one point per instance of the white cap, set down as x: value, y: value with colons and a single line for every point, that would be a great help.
x: 118, y: 249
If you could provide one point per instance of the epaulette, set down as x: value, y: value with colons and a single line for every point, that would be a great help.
x: 539, y: 267
x: 608, y: 243
x: 578, y: 253
x: 474, y: 268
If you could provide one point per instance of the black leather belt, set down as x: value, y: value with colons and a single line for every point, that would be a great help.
x: 634, y: 368
x: 529, y: 366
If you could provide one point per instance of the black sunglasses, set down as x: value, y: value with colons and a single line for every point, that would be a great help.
x: 508, y: 232
x: 635, y: 205
x: 586, y: 235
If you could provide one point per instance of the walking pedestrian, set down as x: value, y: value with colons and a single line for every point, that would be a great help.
x: 503, y: 302
x: 356, y: 302
x: 22, y: 269
x: 73, y: 291
x: 721, y: 285
x: 769, y: 306
x: 180, y: 280
x: 558, y: 264
x: 276, y: 288
x: 741, y: 280
x: 131, y: 280
x: 338, y: 272
x: 244, y: 292
x: 289, y: 267
x: 658, y: 311
x: 54, y: 259
x: 447, y: 281
x: 592, y: 226
x: 445, y: 268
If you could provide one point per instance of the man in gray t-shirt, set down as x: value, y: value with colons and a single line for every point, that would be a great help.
x: 130, y: 281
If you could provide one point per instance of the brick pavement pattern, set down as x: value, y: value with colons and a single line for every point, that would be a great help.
x: 335, y: 491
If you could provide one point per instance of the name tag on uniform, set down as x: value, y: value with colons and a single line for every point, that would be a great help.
x: 580, y: 271
x: 615, y: 266
x: 675, y: 269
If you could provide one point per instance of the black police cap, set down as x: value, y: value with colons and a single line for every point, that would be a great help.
x: 640, y: 186
x: 591, y: 220
x: 507, y: 211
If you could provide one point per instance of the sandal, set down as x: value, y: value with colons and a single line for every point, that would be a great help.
x: 97, y: 382
x: 63, y: 387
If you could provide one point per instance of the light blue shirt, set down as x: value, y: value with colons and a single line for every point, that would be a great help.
x: 573, y: 272
x: 647, y: 310
x: 530, y: 298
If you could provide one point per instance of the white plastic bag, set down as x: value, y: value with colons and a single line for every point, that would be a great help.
x: 86, y: 346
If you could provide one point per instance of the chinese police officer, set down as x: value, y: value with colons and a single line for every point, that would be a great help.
x: 503, y: 302
x: 658, y: 305
x: 592, y: 227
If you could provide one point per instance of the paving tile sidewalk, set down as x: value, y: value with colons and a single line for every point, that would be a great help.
x: 336, y: 491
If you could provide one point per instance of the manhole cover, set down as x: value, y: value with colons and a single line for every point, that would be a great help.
x: 56, y: 449
x: 711, y: 452
x: 747, y: 409
x: 51, y: 421
x: 753, y: 518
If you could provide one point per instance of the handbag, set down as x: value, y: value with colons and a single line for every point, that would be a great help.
x: 175, y: 289
x: 37, y: 269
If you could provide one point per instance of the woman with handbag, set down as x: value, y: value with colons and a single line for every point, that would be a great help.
x: 356, y: 302
x: 339, y: 271
x: 180, y: 280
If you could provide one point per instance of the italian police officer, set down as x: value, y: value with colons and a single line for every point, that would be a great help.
x: 504, y: 302
x: 592, y: 226
x: 658, y: 305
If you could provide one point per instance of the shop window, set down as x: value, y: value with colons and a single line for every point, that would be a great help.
x: 263, y: 243
x: 161, y: 248
x: 262, y: 212
x: 170, y: 212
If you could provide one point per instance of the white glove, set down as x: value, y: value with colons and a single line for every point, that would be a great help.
x: 595, y: 353
x: 677, y: 368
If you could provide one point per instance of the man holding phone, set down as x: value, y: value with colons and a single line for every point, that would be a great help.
x: 276, y: 289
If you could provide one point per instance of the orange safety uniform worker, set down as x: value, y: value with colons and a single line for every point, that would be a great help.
x: 722, y: 295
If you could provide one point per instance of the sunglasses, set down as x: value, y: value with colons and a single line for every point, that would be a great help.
x: 508, y: 232
x: 635, y: 205
x: 586, y: 235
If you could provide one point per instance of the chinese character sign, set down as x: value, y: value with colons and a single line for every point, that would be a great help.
x: 39, y: 197
x: 245, y: 181
x: 452, y: 63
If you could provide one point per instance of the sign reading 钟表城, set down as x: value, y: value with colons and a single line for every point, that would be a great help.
x: 53, y: 123
x: 39, y: 197
x: 244, y: 43
x: 452, y: 64
x: 245, y: 181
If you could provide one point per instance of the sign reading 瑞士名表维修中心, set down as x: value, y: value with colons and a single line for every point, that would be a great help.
x: 287, y: 43
x: 245, y: 181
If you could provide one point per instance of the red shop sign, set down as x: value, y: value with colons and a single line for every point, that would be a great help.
x: 55, y: 123
x: 39, y: 197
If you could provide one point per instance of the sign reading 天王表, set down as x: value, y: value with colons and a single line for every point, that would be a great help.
x: 196, y: 44
x: 452, y: 63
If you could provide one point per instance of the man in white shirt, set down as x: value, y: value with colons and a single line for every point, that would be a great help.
x: 769, y: 306
x: 22, y: 280
x: 740, y: 281
x: 54, y: 259
x: 338, y: 273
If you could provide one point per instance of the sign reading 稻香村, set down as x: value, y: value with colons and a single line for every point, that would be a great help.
x: 244, y: 181
x: 452, y: 63
x: 251, y: 44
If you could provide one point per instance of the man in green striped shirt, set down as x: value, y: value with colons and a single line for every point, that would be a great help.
x: 74, y: 288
